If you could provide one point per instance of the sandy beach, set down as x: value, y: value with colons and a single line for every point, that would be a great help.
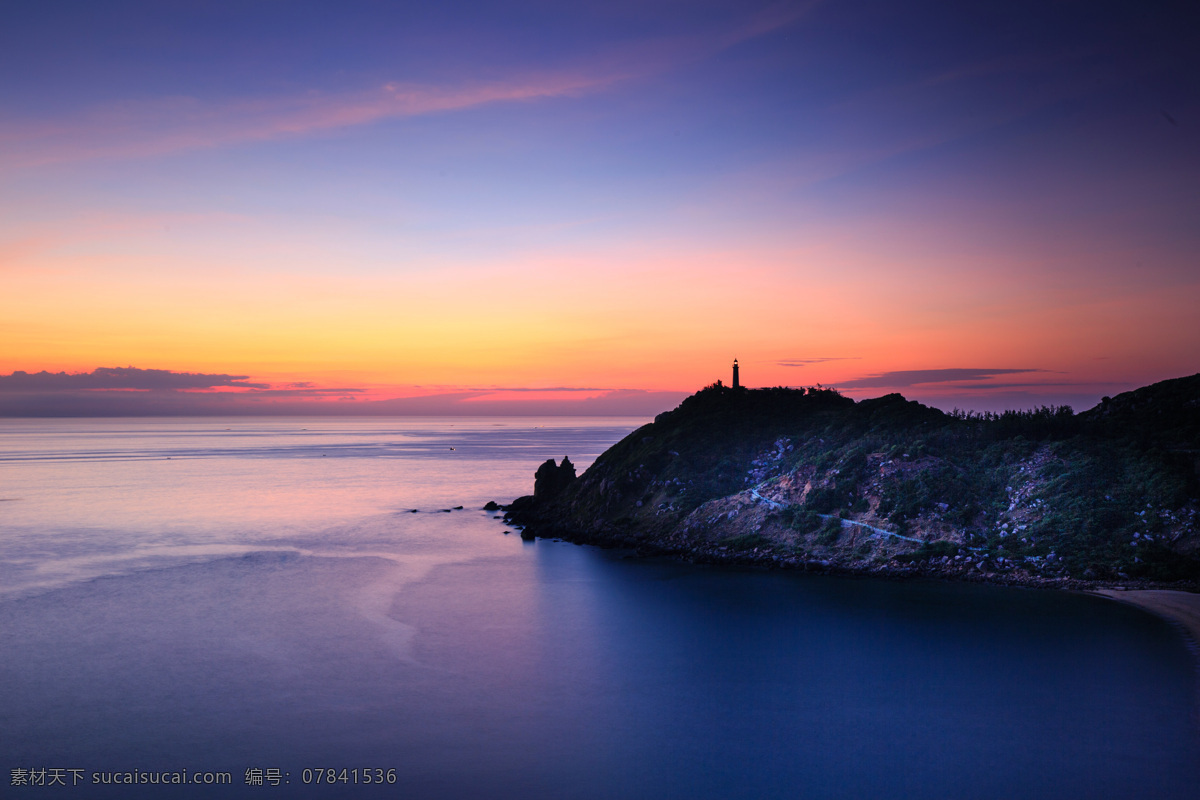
x: 1180, y: 607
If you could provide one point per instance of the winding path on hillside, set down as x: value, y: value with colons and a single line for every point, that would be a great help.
x: 845, y: 522
x: 872, y: 528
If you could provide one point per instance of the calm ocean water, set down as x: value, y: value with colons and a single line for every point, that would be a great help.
x: 244, y: 596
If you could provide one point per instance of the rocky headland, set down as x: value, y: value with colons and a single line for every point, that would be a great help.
x: 809, y: 479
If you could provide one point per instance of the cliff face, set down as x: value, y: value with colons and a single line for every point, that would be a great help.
x: 809, y: 478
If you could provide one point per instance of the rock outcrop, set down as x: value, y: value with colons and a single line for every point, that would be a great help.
x: 550, y: 479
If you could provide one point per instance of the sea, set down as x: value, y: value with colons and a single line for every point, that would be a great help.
x: 286, y: 607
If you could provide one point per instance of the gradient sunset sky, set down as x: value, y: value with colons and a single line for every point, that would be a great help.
x: 593, y: 207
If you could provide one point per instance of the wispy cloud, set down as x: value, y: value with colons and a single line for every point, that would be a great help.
x: 921, y: 377
x: 309, y: 392
x: 991, y: 386
x: 183, y: 123
x: 538, y: 389
x: 804, y: 362
x: 173, y: 124
x: 615, y: 402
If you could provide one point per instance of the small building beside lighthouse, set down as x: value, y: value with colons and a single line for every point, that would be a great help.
x: 736, y: 384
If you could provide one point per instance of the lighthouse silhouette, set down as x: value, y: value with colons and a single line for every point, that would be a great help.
x: 735, y: 374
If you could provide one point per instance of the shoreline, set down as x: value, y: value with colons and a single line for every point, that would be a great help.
x: 1181, y: 609
x: 1125, y: 588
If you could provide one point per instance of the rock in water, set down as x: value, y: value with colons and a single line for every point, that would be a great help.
x: 550, y: 478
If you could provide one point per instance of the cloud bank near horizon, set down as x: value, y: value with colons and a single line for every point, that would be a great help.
x: 110, y: 378
x: 976, y: 389
x: 899, y: 379
x: 130, y: 391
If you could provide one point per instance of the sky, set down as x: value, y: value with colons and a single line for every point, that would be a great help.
x: 272, y: 206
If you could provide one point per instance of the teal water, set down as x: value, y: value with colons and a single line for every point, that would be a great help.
x: 233, y: 595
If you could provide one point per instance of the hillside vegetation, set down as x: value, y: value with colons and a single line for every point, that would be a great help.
x: 809, y: 478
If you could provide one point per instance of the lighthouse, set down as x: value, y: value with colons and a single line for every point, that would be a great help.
x: 735, y: 375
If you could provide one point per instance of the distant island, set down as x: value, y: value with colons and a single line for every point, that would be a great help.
x: 809, y: 479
